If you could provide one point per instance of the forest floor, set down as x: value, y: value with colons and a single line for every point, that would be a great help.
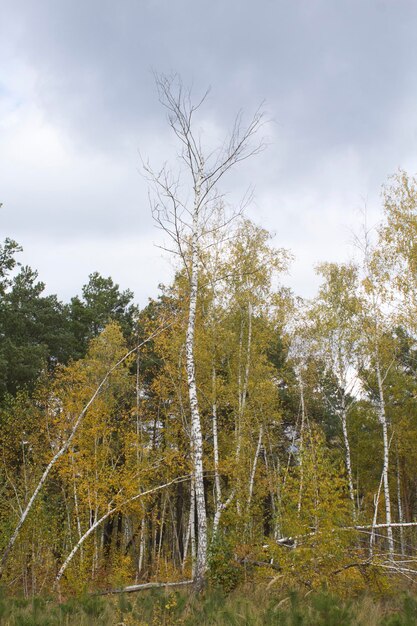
x: 246, y: 607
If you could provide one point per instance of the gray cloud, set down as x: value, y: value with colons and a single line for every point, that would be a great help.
x: 77, y: 101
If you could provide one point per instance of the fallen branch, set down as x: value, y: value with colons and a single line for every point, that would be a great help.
x: 289, y: 541
x: 66, y: 445
x: 143, y: 587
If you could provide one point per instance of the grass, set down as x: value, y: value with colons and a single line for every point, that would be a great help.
x: 243, y: 607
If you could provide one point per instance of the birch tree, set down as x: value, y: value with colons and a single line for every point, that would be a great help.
x: 335, y: 314
x: 375, y: 328
x: 188, y: 212
x: 397, y: 248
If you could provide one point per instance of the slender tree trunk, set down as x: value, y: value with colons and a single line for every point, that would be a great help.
x: 348, y: 461
x: 192, y: 530
x: 301, y: 450
x: 242, y: 391
x: 179, y: 521
x: 400, y: 506
x: 76, y: 506
x: 196, y: 434
x: 383, y: 422
x: 161, y: 534
x: 216, y: 443
x: 255, y: 462
x: 243, y: 384
x: 186, y: 543
x: 220, y: 505
x: 142, y: 545
x: 375, y: 517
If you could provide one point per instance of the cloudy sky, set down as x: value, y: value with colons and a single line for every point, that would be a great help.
x: 78, y: 105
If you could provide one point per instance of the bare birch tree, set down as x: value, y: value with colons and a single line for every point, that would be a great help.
x: 188, y: 215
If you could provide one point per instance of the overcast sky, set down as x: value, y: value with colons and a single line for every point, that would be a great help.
x: 78, y: 104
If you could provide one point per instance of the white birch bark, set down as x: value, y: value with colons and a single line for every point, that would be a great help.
x: 291, y: 540
x: 384, y: 424
x: 142, y: 545
x: 196, y: 433
x: 348, y: 461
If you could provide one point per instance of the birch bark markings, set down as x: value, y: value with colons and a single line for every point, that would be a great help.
x: 196, y: 434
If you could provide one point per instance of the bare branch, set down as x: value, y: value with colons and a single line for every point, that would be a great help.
x: 144, y: 586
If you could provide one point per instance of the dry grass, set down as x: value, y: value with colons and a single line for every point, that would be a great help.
x: 251, y: 606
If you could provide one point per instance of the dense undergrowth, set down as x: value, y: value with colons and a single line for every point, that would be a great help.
x: 244, y: 607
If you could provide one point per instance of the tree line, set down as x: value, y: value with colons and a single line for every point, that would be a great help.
x: 229, y: 428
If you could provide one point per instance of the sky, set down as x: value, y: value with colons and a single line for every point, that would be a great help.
x: 79, y: 112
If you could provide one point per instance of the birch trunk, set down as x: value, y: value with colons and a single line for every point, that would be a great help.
x: 348, y: 461
x: 142, y: 545
x: 242, y: 391
x: 400, y: 506
x: 196, y: 434
x: 216, y: 444
x: 243, y: 386
x: 218, y: 492
x: 375, y: 517
x: 301, y: 449
x: 383, y: 422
